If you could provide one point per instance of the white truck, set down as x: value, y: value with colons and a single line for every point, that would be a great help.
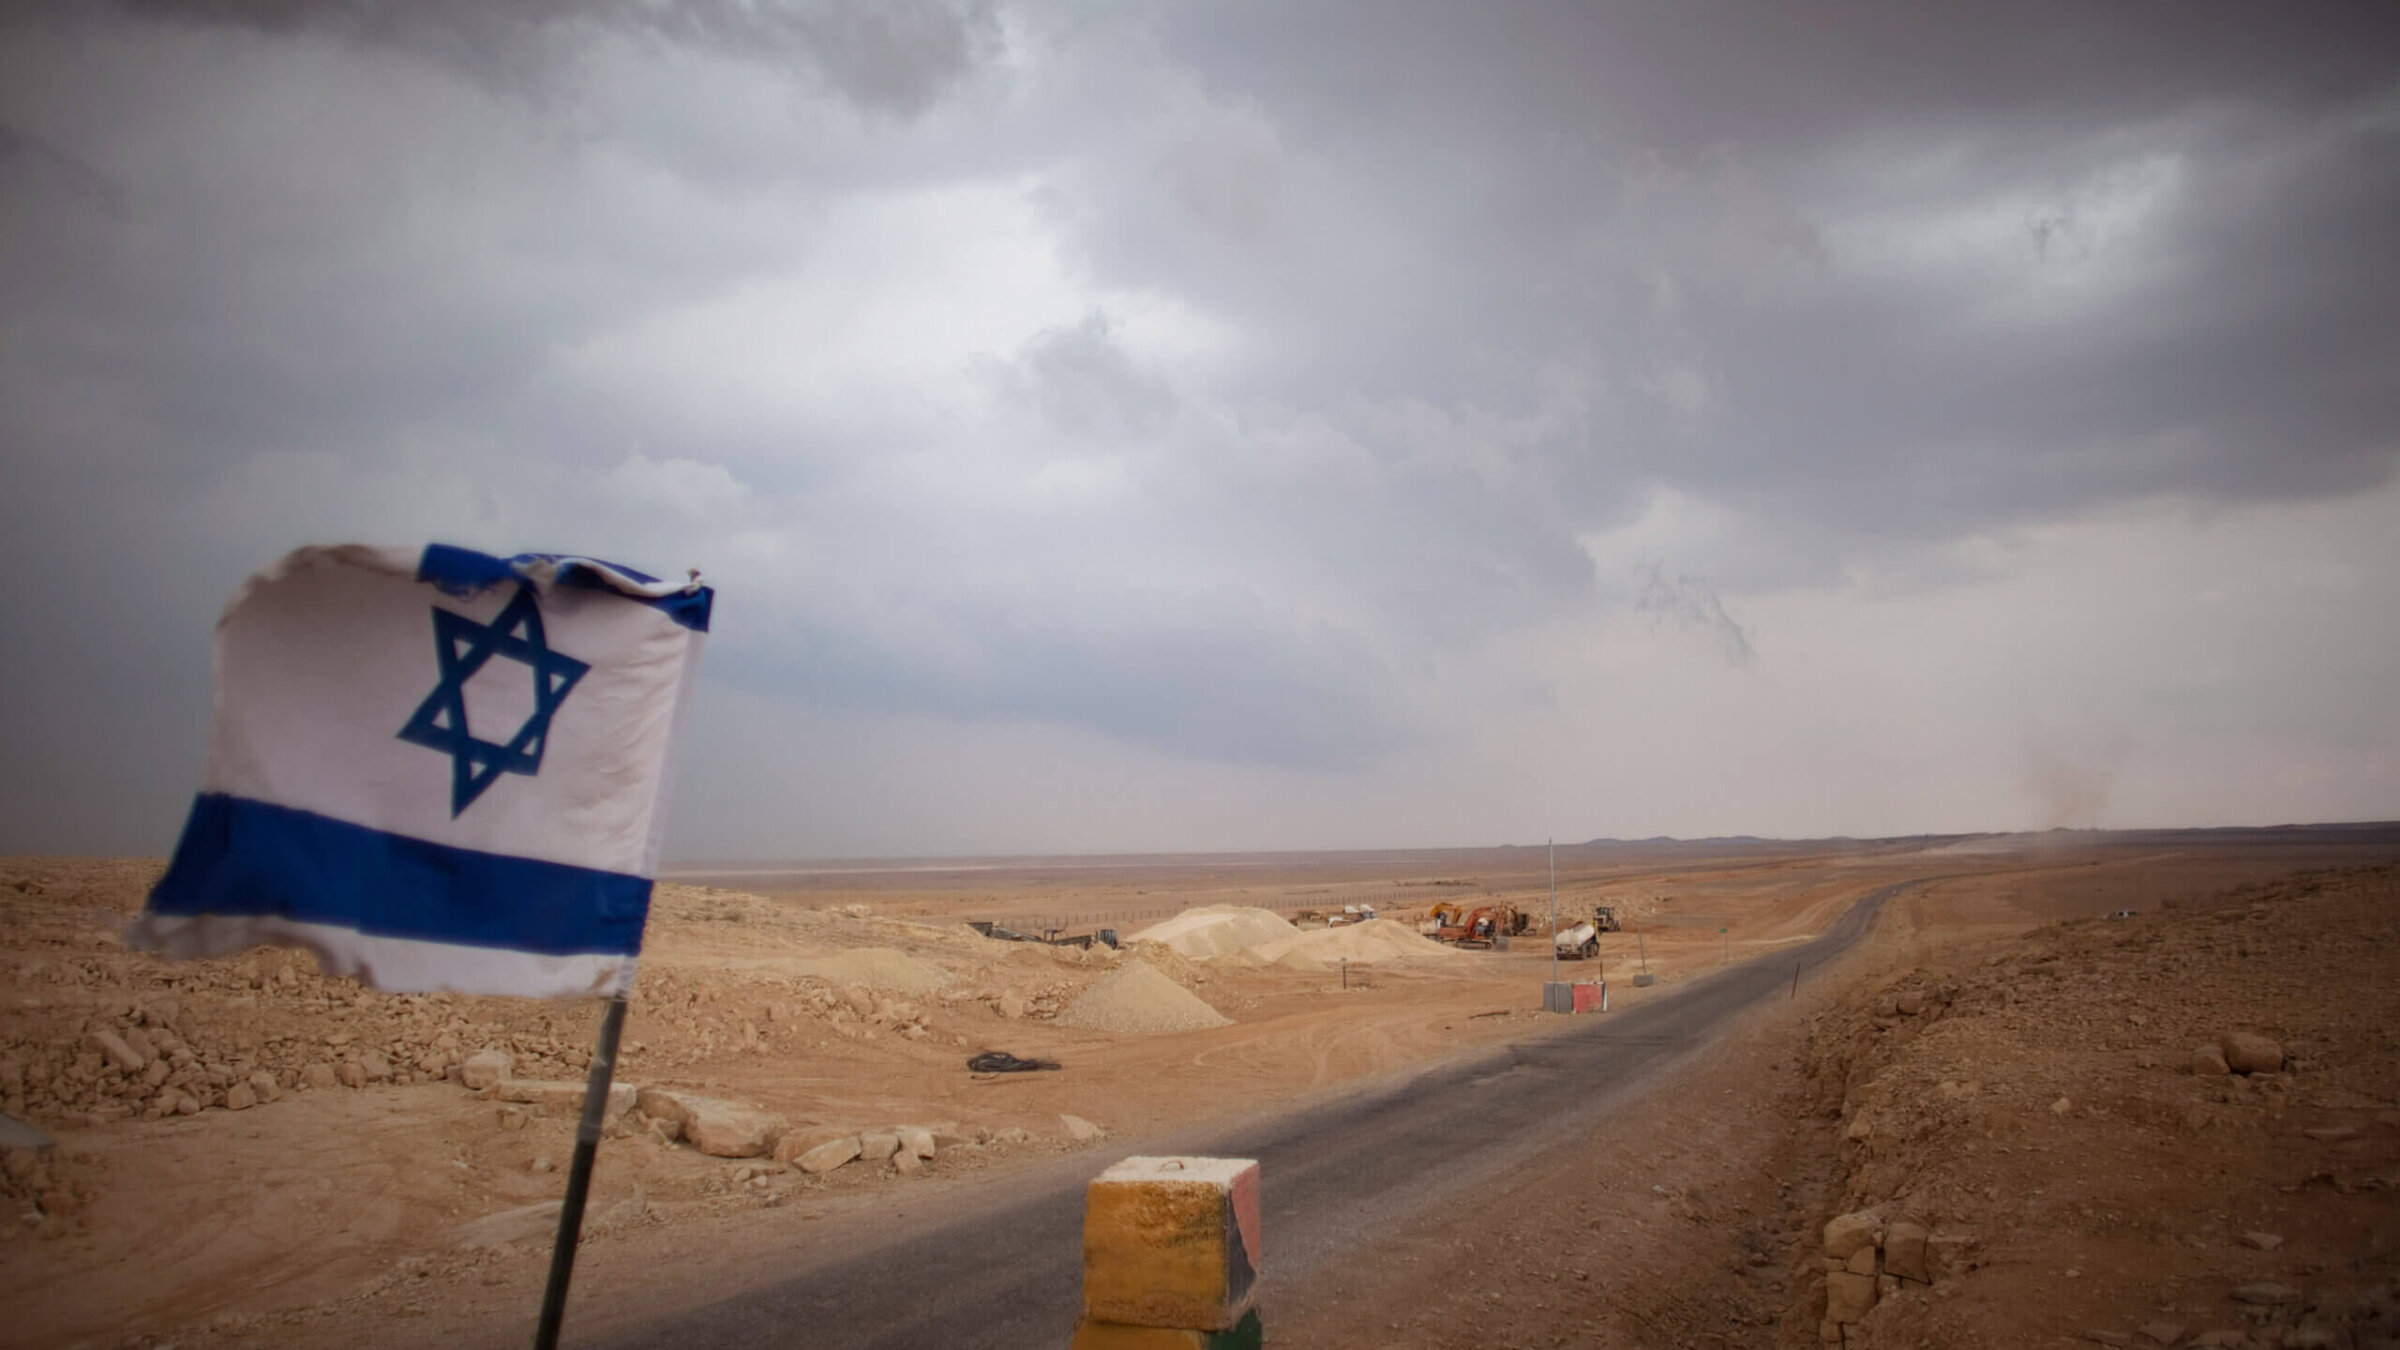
x: 1582, y: 941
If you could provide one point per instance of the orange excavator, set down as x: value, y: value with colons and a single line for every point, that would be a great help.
x: 1478, y: 927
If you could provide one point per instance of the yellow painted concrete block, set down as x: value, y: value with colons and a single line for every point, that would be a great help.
x: 1171, y: 1243
x: 1091, y: 1335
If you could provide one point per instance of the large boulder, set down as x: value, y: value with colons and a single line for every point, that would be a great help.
x: 2248, y: 1053
x: 723, y: 1129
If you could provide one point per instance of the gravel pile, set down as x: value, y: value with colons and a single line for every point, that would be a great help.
x: 1136, y: 998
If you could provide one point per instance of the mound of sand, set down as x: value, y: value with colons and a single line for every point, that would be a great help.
x: 1211, y: 931
x: 1137, y: 998
x: 1374, y: 940
x: 876, y: 968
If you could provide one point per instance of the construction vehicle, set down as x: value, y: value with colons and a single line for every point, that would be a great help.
x: 1446, y: 914
x: 1582, y: 941
x: 1487, y: 926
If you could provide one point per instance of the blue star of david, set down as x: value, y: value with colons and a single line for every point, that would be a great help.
x: 463, y: 646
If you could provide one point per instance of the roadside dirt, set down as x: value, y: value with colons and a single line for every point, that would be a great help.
x: 2058, y: 1107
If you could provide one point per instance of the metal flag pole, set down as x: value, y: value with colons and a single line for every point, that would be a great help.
x: 1553, y: 911
x: 579, y: 1175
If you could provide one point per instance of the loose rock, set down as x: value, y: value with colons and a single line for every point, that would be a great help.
x: 2248, y: 1053
x: 2265, y: 1294
x: 485, y: 1068
x: 1845, y: 1234
x: 827, y: 1156
x: 1848, y: 1297
x: 1904, y: 1252
x: 117, y: 1052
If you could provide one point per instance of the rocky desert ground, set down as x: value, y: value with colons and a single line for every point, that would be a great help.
x: 2006, y: 1119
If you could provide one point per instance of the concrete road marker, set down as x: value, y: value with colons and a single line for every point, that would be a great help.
x: 1170, y: 1245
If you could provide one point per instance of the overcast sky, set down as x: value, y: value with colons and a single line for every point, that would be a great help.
x: 1206, y: 426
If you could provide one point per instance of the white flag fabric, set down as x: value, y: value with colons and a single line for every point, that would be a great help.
x: 437, y: 769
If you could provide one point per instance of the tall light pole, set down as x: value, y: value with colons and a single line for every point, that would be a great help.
x: 1553, y: 911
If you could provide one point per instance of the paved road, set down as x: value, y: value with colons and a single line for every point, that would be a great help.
x: 1006, y: 1276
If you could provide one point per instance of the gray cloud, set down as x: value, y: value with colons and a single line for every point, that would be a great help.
x: 1231, y: 382
x: 894, y: 57
x: 1086, y: 384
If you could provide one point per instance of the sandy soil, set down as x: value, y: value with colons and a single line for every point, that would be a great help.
x: 297, y: 1220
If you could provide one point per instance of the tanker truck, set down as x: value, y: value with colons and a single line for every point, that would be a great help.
x: 1582, y: 941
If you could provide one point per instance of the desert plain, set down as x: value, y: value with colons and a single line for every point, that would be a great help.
x: 2125, y: 1089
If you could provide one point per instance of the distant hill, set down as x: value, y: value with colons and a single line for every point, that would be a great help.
x: 1671, y: 839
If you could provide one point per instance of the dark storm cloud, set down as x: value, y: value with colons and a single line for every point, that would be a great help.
x: 1225, y: 379
x: 890, y: 56
x: 1667, y: 189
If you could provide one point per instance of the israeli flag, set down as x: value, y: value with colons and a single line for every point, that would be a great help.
x: 437, y: 770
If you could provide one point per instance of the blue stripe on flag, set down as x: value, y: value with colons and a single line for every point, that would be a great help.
x: 463, y: 571
x: 244, y: 857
